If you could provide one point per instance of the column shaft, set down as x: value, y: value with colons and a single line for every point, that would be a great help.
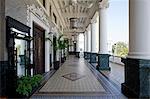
x: 139, y: 29
x: 89, y: 38
x: 103, y: 31
x: 88, y: 41
x: 93, y: 53
x: 85, y: 44
x: 137, y: 63
x: 93, y: 37
x: 78, y: 48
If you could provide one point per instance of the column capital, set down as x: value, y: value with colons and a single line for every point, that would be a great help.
x: 103, y: 4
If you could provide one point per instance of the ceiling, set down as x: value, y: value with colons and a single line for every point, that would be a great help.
x: 77, y: 14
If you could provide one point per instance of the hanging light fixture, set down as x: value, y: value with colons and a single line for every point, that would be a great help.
x: 73, y: 23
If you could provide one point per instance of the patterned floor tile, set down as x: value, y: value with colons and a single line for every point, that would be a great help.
x: 73, y: 76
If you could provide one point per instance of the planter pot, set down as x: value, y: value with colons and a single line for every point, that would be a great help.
x: 65, y: 58
x: 62, y: 60
x: 56, y: 65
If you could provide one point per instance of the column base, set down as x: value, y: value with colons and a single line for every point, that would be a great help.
x: 93, y: 57
x: 137, y: 73
x: 103, y: 62
x: 85, y: 55
x: 88, y: 55
x: 71, y: 53
x: 104, y: 68
x: 78, y: 54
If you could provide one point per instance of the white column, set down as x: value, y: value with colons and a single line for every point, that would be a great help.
x: 139, y: 31
x: 72, y: 43
x: 78, y: 48
x: 93, y: 36
x: 69, y: 45
x: 97, y: 33
x: 89, y: 38
x: 86, y: 41
x: 3, y: 50
x: 103, y: 27
x: 47, y: 55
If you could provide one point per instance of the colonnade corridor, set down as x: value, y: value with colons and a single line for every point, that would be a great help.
x: 77, y: 79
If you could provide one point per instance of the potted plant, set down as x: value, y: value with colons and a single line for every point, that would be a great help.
x: 59, y: 46
x: 27, y: 84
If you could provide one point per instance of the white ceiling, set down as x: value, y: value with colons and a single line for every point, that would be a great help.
x: 82, y: 10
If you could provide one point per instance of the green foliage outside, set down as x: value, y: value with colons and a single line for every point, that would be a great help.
x: 120, y: 49
x: 27, y: 83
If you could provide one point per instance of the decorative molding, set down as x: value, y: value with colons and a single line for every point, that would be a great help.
x: 28, y: 15
x: 39, y: 12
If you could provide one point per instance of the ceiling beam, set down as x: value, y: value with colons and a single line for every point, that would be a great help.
x: 77, y: 15
x: 74, y: 31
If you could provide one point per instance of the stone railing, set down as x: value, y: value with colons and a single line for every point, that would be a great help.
x: 116, y: 59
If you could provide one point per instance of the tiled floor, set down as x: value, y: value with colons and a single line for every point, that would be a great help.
x: 77, y: 79
x: 116, y: 74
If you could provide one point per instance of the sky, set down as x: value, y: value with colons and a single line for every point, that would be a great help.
x: 118, y: 21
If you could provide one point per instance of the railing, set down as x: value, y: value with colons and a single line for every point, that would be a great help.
x: 116, y: 59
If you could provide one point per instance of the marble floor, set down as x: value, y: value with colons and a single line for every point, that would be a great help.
x: 116, y: 75
x: 77, y: 79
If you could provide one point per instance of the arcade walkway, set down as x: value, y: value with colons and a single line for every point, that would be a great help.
x: 77, y: 79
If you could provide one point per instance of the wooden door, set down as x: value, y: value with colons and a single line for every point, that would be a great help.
x: 39, y: 49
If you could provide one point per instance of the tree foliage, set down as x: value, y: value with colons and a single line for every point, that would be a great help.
x: 120, y: 49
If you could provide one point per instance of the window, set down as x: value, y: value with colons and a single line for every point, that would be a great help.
x: 50, y: 10
x: 55, y: 18
x: 60, y: 27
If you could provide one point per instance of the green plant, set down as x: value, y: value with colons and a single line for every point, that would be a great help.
x: 27, y: 83
x: 35, y: 80
x: 63, y: 44
x: 59, y: 44
x: 24, y: 86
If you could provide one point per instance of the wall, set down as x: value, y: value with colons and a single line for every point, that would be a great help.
x: 17, y: 9
x: 3, y: 51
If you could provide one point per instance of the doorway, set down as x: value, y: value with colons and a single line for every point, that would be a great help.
x: 18, y: 46
x: 39, y: 49
x: 54, y: 50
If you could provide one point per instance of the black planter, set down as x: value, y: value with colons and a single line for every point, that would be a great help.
x: 62, y: 60
x: 78, y: 54
x: 65, y: 58
x: 56, y: 65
